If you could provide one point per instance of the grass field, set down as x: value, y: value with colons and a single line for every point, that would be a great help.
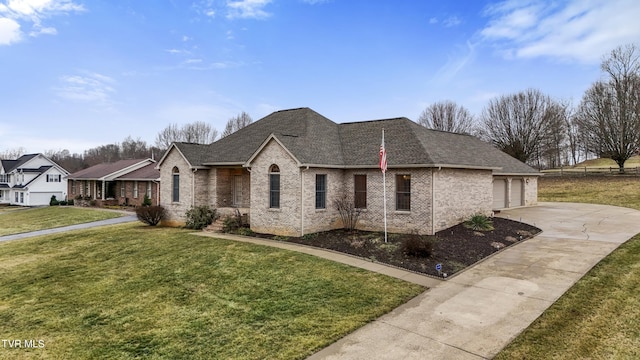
x: 20, y: 220
x: 599, y: 317
x: 128, y: 291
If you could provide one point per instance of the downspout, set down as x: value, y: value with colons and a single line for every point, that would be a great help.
x: 302, y: 201
x: 193, y: 188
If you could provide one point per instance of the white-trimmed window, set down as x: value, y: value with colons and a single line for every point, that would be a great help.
x: 122, y: 189
x: 135, y: 189
x: 274, y: 187
x: 175, y: 186
x: 149, y: 189
x: 321, y: 191
x: 54, y: 178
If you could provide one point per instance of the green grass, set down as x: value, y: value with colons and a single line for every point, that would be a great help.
x: 599, y: 317
x: 604, y: 162
x: 607, y: 190
x: 129, y: 291
x: 22, y: 220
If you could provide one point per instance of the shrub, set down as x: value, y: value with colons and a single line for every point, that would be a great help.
x: 479, y: 222
x: 418, y: 245
x: 63, y: 203
x: 150, y: 215
x: 230, y: 224
x: 348, y: 211
x: 146, y: 201
x: 71, y: 202
x: 53, y: 201
x: 200, y: 217
x: 245, y: 231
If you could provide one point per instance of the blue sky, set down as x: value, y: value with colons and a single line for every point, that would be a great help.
x: 76, y: 74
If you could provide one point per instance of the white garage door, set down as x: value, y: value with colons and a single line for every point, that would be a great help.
x: 516, y: 192
x: 43, y: 198
x: 499, y: 194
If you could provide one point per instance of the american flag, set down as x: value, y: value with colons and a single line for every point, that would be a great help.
x: 383, y: 155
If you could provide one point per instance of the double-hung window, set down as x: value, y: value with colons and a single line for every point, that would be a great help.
x: 360, y: 191
x: 321, y: 191
x: 403, y: 192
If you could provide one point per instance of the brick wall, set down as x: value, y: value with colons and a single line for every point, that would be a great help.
x: 286, y: 219
x: 372, y: 218
x: 461, y: 193
x: 321, y: 219
x: 176, y: 210
x: 129, y: 197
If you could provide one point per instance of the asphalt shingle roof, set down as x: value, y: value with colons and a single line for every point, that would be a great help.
x: 100, y: 170
x: 316, y: 140
x: 148, y: 172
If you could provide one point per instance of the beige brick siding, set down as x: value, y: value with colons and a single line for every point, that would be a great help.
x: 372, y: 218
x: 225, y: 178
x: 459, y: 194
x: 530, y: 190
x: 285, y: 220
x: 321, y: 219
x: 176, y: 210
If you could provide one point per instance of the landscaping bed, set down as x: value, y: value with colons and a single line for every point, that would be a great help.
x: 454, y: 248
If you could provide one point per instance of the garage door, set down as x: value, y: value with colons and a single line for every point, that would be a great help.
x: 516, y: 192
x: 499, y: 194
x: 43, y: 198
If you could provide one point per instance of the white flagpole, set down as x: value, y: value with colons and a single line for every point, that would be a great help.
x: 384, y: 186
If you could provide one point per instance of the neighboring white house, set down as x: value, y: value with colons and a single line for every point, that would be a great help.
x: 31, y: 180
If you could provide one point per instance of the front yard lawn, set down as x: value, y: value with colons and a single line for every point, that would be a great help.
x: 130, y: 291
x: 25, y: 220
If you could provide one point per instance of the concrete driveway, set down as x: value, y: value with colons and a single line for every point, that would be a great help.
x: 477, y: 313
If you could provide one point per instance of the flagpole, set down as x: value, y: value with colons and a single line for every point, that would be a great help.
x: 383, y: 167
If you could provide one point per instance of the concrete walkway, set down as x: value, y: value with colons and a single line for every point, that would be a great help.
x: 475, y: 314
x: 118, y: 220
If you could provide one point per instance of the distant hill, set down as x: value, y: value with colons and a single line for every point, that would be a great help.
x: 634, y: 161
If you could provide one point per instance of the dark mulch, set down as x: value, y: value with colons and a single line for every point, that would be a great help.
x: 455, y: 248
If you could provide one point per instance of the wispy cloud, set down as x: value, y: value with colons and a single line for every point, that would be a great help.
x: 247, y: 9
x: 14, y: 14
x: 452, y: 21
x: 315, y: 2
x: 576, y: 30
x: 89, y: 87
x: 456, y: 63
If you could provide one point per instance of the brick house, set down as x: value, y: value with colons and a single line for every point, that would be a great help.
x: 123, y: 182
x: 286, y: 169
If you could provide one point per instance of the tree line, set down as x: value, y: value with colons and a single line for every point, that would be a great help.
x: 548, y: 133
x: 198, y: 132
x: 528, y: 125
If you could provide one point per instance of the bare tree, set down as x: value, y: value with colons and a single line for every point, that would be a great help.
x: 520, y: 123
x: 134, y: 149
x: 12, y: 154
x: 447, y: 116
x: 609, y: 114
x: 236, y: 123
x: 168, y: 135
x: 197, y: 132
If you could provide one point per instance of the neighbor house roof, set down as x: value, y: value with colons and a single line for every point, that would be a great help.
x: 10, y: 165
x: 317, y: 141
x: 110, y: 171
x: 146, y: 173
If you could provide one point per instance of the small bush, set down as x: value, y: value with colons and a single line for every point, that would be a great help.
x: 479, y: 222
x: 200, y: 217
x: 146, y: 201
x: 245, y: 231
x: 150, y: 215
x: 71, y: 202
x: 230, y: 224
x: 418, y: 245
x: 63, y: 203
x: 53, y: 201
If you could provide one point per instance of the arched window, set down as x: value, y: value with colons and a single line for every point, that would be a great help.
x: 274, y: 186
x: 175, y: 185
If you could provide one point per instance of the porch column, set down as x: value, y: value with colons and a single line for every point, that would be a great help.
x: 103, y: 189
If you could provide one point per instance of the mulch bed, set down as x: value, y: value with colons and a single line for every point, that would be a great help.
x: 455, y: 248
